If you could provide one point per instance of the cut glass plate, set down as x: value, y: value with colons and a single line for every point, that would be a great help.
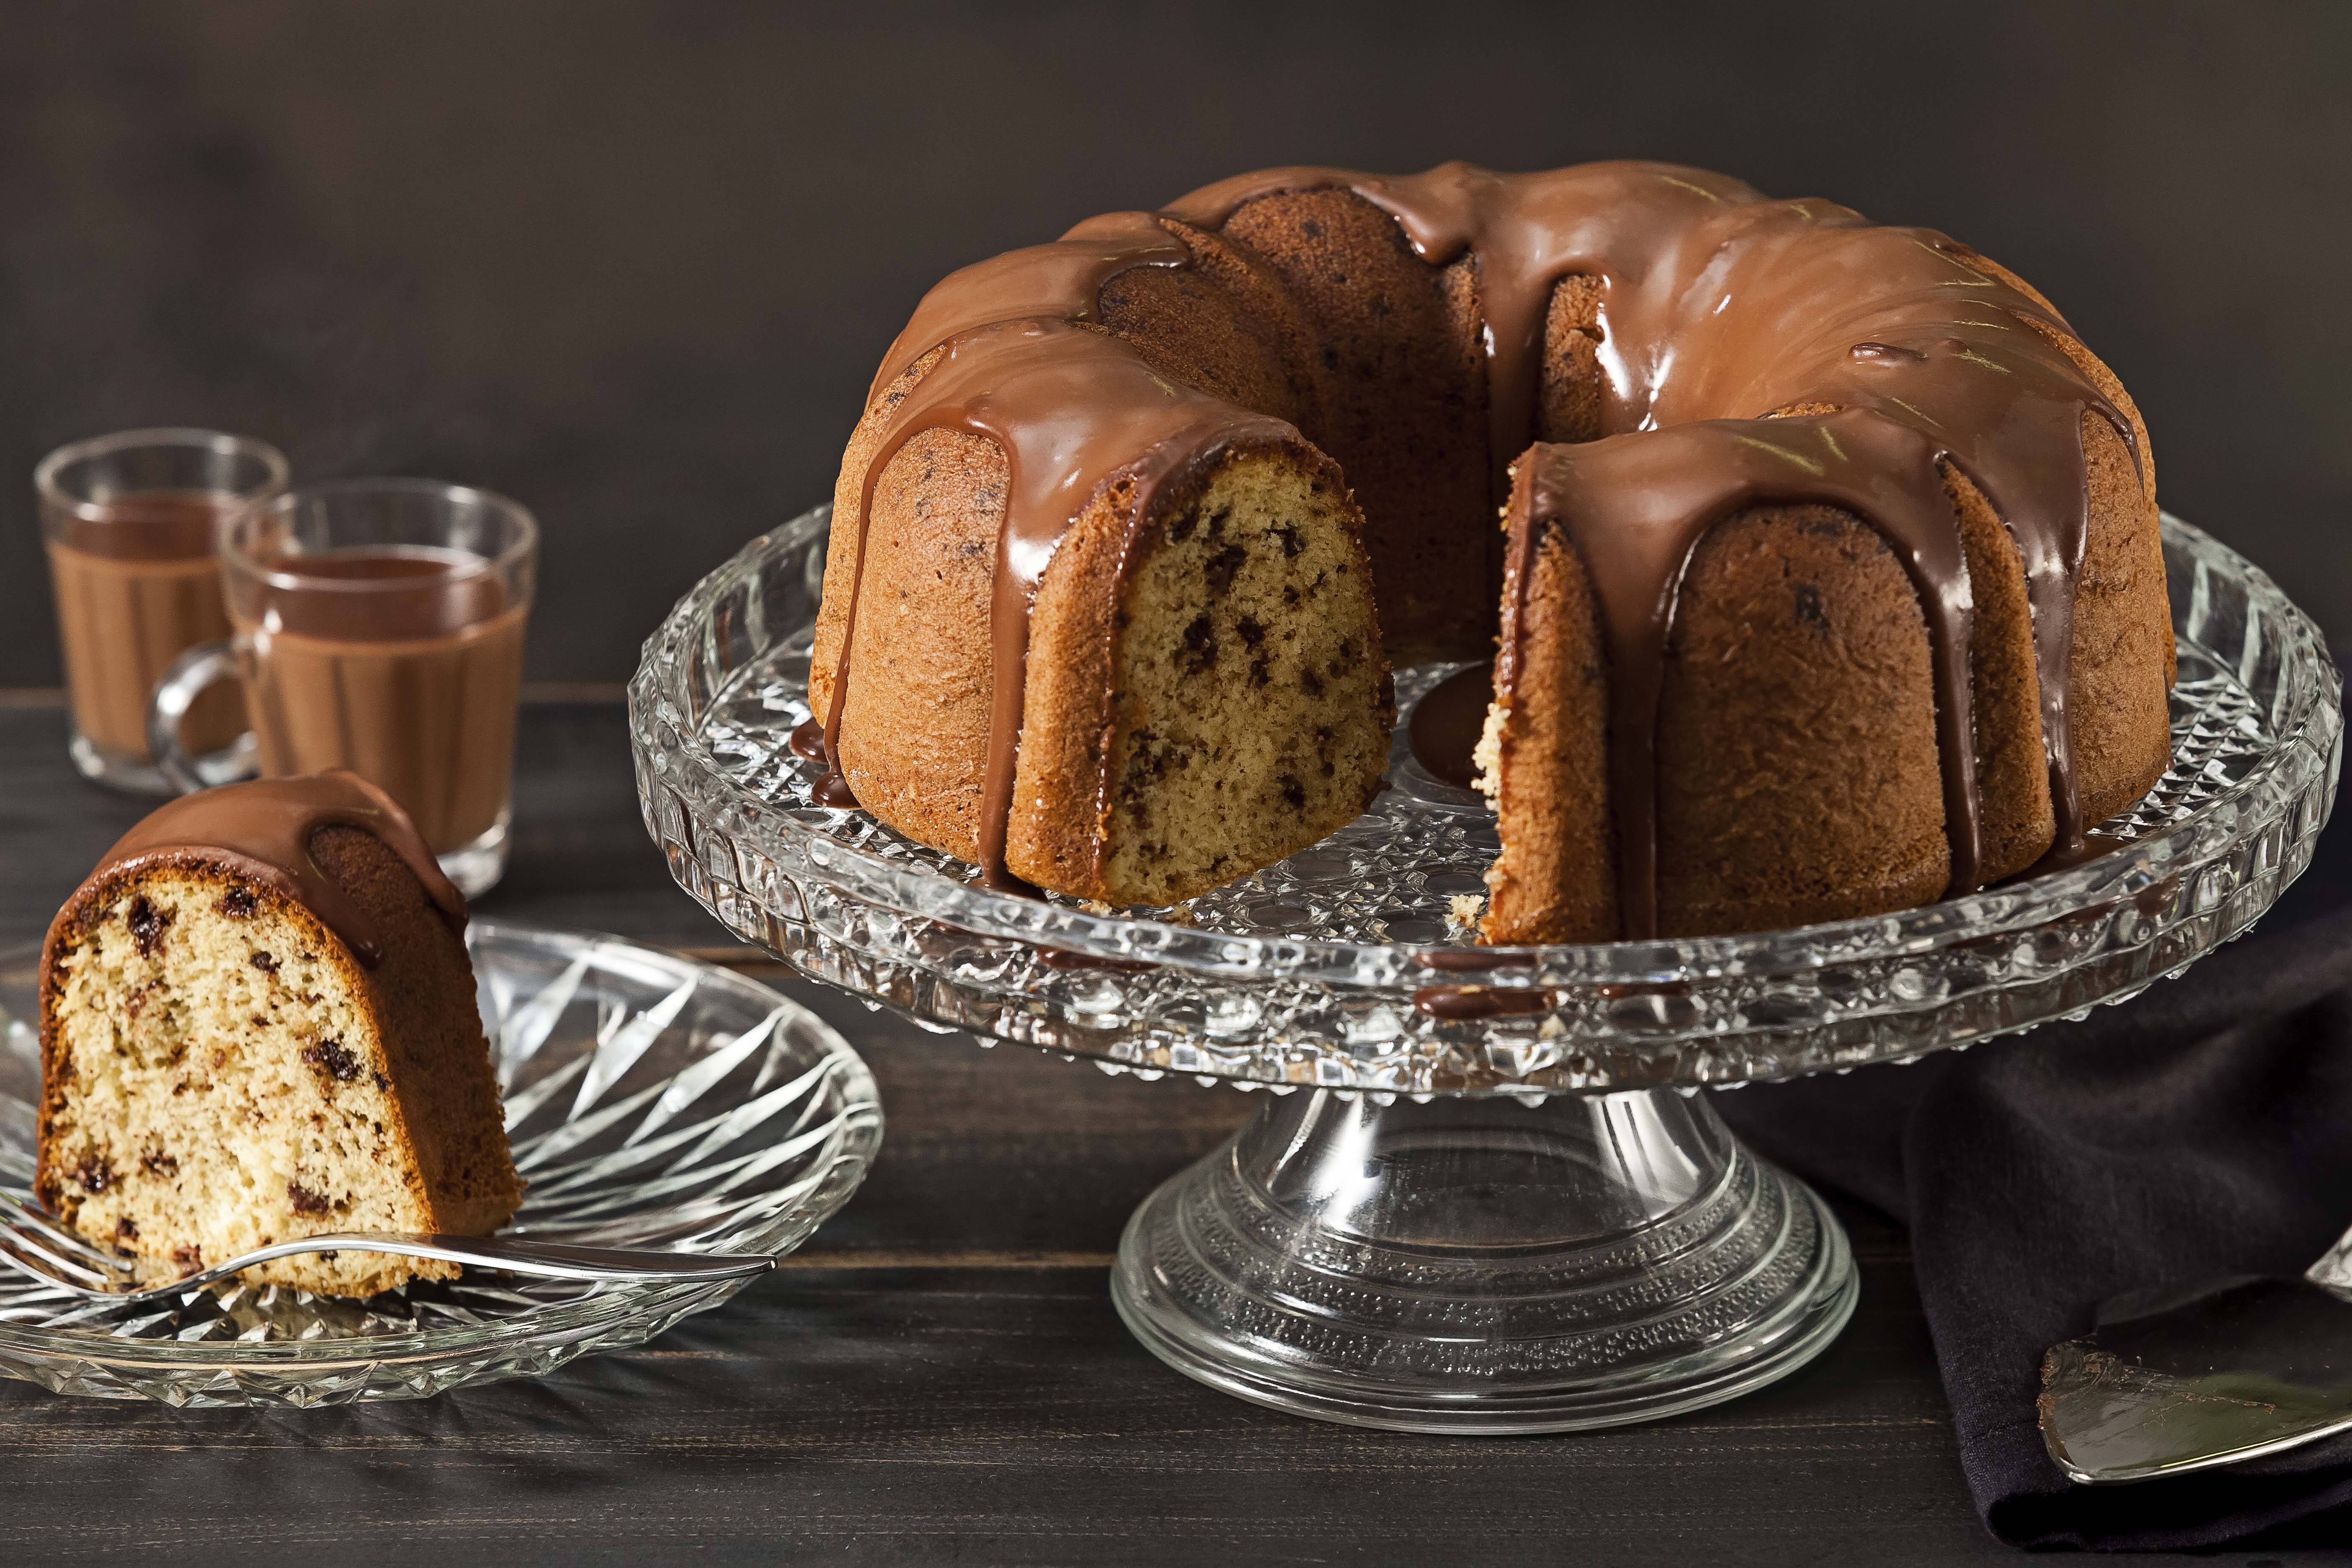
x: 652, y: 1102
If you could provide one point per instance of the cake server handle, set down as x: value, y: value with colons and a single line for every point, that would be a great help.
x: 2179, y: 1378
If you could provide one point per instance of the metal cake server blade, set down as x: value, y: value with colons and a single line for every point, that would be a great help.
x: 2183, y: 1378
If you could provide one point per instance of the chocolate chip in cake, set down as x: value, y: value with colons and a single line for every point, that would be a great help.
x: 1222, y: 567
x: 94, y: 1173
x: 264, y: 963
x: 237, y: 903
x: 332, y: 1057
x: 305, y: 1201
x: 1199, y: 653
x: 189, y: 1257
x: 124, y: 1230
x: 146, y: 923
x: 381, y: 1082
x: 156, y: 1162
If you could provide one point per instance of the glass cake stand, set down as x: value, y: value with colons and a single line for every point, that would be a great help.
x: 1485, y: 1194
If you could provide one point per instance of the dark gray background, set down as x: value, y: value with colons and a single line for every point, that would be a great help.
x: 633, y: 263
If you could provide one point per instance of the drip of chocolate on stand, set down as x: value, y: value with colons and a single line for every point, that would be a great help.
x: 2065, y: 857
x: 1063, y: 958
x: 1960, y: 370
x: 1452, y: 1004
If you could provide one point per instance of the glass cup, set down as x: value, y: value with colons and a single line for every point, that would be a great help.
x: 377, y: 625
x: 129, y: 520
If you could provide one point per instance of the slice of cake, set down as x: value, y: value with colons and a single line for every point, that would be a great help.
x: 258, y: 1022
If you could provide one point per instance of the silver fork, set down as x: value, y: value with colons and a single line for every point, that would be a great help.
x: 33, y: 1243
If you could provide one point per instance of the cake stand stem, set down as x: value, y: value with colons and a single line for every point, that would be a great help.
x: 1485, y: 1265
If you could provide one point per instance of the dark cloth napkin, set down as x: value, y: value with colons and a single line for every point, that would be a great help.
x: 2202, y: 1129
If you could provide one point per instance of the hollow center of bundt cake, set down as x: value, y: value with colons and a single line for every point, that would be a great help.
x: 1256, y: 590
x: 221, y: 1086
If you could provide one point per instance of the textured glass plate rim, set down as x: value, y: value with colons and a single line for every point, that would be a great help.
x: 660, y: 730
x: 615, y: 1305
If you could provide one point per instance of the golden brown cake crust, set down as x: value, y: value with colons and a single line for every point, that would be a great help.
x: 209, y: 1000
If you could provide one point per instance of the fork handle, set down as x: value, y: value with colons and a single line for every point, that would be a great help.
x: 551, y: 1260
x: 557, y: 1260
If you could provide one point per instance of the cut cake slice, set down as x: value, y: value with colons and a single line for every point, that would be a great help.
x: 258, y: 1022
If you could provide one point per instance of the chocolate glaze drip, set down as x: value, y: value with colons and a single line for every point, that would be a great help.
x: 1063, y: 958
x: 263, y: 830
x: 1058, y: 282
x: 1447, y: 723
x: 1637, y: 506
x: 2065, y: 857
x: 1450, y: 1003
x: 808, y: 741
x: 1073, y: 409
x: 1719, y: 308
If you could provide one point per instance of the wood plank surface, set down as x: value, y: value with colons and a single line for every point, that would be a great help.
x: 940, y: 1375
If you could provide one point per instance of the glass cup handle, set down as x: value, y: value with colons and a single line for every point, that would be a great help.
x: 174, y: 694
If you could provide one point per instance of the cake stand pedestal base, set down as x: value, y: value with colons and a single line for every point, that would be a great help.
x: 1485, y: 1265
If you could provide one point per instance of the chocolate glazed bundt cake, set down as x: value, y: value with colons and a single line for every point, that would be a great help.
x: 258, y: 1023
x: 1828, y: 583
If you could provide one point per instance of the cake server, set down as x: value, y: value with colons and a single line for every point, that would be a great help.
x: 33, y: 1243
x: 2181, y: 1378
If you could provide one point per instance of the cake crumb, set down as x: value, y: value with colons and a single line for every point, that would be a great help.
x: 1488, y: 755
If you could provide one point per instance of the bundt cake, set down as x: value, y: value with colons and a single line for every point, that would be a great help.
x: 258, y: 1022
x: 1829, y: 580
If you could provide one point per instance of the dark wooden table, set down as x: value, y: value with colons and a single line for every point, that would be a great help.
x: 939, y: 1375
